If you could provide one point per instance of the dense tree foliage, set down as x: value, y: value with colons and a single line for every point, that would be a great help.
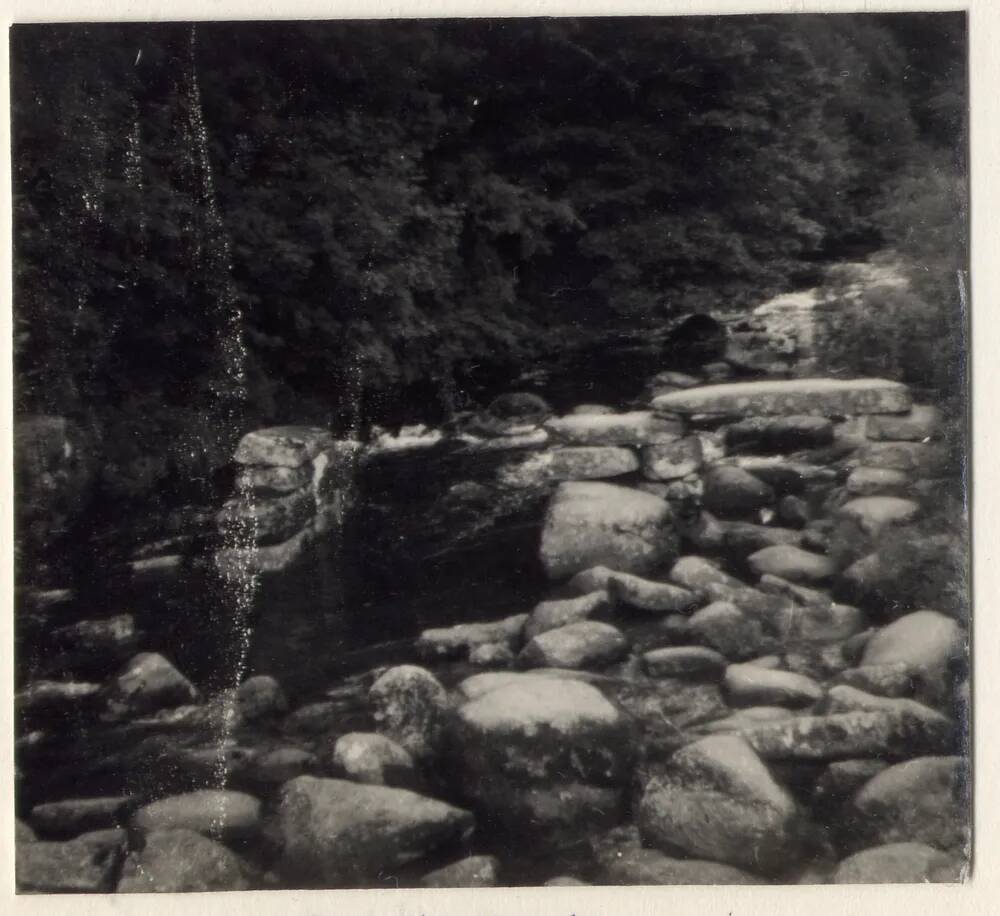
x: 229, y: 224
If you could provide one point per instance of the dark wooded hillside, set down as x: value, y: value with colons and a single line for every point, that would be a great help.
x: 223, y: 226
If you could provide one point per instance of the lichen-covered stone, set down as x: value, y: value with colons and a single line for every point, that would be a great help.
x: 696, y: 574
x: 72, y: 816
x: 927, y: 459
x: 586, y: 644
x: 684, y: 662
x: 924, y: 800
x: 716, y: 800
x: 180, y: 861
x: 336, y: 833
x: 219, y: 813
x: 76, y: 866
x: 598, y: 524
x: 651, y: 867
x: 875, y: 513
x: 474, y: 871
x: 730, y: 490
x: 259, y: 697
x: 724, y: 627
x: 864, y: 481
x: 646, y: 595
x: 149, y: 683
x: 536, y: 728
x: 752, y: 685
x: 812, y: 397
x: 373, y: 759
x: 591, y: 462
x: 792, y: 563
x: 672, y: 460
x: 635, y: 428
x: 551, y: 615
x: 745, y: 538
x: 922, y: 422
x: 879, y: 733
x: 898, y: 863
x: 460, y: 640
x: 925, y: 641
x: 409, y: 705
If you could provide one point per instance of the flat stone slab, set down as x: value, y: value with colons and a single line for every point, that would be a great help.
x: 635, y: 428
x: 787, y: 397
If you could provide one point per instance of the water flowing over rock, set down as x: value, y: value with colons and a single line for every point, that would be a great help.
x: 271, y: 520
x: 282, y: 446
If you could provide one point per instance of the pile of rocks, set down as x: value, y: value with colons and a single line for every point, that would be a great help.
x: 295, y: 485
x: 694, y: 701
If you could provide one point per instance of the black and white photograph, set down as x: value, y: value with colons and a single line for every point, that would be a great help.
x: 491, y: 453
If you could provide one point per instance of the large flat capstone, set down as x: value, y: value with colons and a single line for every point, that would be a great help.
x: 786, y: 397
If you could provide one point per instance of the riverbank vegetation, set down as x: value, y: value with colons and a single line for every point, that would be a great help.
x: 228, y: 225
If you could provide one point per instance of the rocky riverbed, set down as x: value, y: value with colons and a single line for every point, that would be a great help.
x: 722, y: 675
